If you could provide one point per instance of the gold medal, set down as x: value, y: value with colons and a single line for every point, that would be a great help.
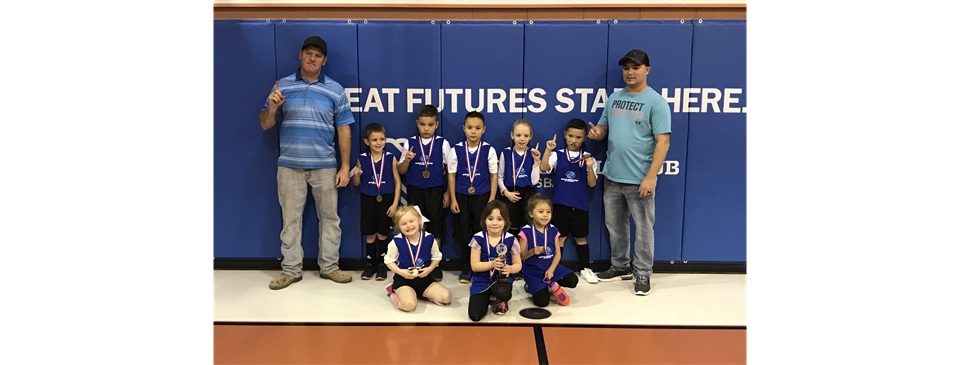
x: 471, y: 190
x: 379, y: 198
x: 426, y: 174
x: 416, y: 272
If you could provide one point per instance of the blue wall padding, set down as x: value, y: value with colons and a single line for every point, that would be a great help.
x: 701, y: 193
x: 714, y: 227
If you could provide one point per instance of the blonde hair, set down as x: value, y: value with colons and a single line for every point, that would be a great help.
x: 402, y: 211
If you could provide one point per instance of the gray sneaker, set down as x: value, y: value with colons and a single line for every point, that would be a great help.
x: 642, y: 286
x: 614, y: 274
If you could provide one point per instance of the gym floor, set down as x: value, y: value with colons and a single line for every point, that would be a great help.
x: 686, y: 319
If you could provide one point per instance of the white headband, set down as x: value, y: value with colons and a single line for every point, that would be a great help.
x: 423, y: 219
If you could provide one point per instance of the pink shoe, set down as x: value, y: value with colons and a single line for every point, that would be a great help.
x: 499, y: 307
x: 393, y: 296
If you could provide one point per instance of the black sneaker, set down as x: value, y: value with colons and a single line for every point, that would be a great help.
x: 642, y: 286
x: 614, y: 274
x: 368, y: 272
x: 381, y: 272
x: 466, y: 275
x: 437, y: 274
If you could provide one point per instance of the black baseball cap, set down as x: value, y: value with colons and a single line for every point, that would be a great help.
x: 316, y: 42
x: 635, y: 55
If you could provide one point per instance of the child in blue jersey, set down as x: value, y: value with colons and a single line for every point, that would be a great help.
x: 540, y: 254
x: 519, y: 172
x: 423, y: 160
x: 575, y: 173
x: 407, y: 255
x: 472, y: 177
x: 376, y: 175
x: 494, y: 257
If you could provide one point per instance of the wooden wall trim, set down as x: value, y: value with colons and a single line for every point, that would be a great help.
x: 358, y: 13
x: 476, y: 6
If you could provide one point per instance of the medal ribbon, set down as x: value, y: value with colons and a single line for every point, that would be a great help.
x: 426, y: 156
x: 579, y: 159
x: 378, y: 179
x: 534, y: 226
x: 413, y: 260
x: 476, y: 163
x: 515, y: 169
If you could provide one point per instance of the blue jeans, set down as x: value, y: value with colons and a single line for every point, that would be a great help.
x: 619, y: 199
x: 292, y: 186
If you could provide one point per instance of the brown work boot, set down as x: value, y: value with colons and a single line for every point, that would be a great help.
x: 338, y: 276
x: 283, y: 281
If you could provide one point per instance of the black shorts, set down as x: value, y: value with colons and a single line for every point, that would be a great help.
x: 571, y: 221
x: 419, y: 285
x: 430, y: 201
x: 373, y: 215
x: 467, y: 222
x: 518, y: 210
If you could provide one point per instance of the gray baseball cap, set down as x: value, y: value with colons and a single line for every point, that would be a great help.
x: 636, y: 55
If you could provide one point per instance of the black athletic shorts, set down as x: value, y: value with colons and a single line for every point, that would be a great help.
x: 419, y: 285
x: 373, y: 215
x: 570, y: 221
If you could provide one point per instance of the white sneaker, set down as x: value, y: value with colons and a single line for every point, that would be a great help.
x: 589, y: 276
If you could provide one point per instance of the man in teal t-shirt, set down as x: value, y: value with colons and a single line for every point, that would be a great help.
x: 637, y: 120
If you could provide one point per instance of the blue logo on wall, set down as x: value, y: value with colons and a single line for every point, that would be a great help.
x: 571, y: 175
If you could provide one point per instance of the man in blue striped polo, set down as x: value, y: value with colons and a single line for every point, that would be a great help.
x: 318, y: 110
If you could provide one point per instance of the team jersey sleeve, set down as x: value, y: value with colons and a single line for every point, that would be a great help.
x: 500, y: 174
x: 435, y: 253
x: 445, y: 150
x: 522, y: 235
x: 404, y: 147
x: 452, y: 163
x: 492, y: 162
x: 392, y: 253
x: 535, y: 176
x: 552, y: 160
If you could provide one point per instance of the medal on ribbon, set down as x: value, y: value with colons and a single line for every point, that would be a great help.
x: 378, y: 178
x: 472, y: 173
x: 516, y: 170
x: 426, y: 156
x: 413, y: 260
x: 579, y: 160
